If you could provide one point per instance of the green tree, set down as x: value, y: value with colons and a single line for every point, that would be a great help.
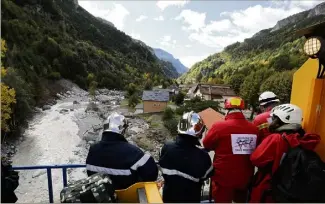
x: 131, y: 90
x: 92, y: 85
x: 235, y: 81
x: 168, y: 114
x: 148, y: 85
x: 279, y: 83
x: 133, y: 100
x: 250, y: 88
x: 199, y: 77
x: 179, y: 98
x: 281, y: 62
x: 8, y: 95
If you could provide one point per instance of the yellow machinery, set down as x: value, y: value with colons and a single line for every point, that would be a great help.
x: 308, y: 87
x: 145, y: 192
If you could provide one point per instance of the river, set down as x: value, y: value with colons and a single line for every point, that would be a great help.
x: 55, y: 136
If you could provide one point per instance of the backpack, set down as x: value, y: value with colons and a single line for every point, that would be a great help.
x: 299, y: 178
x: 97, y: 188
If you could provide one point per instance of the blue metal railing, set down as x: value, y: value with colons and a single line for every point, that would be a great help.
x: 64, y: 168
x: 49, y: 173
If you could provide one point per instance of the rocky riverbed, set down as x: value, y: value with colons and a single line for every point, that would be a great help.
x: 61, y: 133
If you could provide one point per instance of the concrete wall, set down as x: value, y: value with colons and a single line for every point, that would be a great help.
x: 154, y: 106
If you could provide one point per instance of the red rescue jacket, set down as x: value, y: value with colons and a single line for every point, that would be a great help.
x: 262, y: 122
x: 232, y: 170
x: 271, y: 150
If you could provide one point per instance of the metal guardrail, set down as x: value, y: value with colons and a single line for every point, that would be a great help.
x: 64, y: 168
x: 49, y: 173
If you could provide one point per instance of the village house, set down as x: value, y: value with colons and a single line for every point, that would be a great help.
x: 213, y: 92
x: 155, y: 101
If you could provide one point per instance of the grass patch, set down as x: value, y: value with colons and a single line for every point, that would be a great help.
x: 124, y: 102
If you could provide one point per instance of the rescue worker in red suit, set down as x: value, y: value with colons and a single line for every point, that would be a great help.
x: 232, y: 140
x: 267, y: 101
x: 286, y: 121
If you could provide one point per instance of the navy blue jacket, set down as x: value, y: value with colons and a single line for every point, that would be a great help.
x: 125, y: 163
x: 184, y: 167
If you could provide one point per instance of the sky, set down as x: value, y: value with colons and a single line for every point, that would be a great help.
x: 193, y: 30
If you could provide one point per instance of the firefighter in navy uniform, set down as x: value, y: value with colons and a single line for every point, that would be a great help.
x: 125, y: 163
x: 183, y: 164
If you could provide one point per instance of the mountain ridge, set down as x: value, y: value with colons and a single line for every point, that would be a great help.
x: 266, y: 61
x: 166, y: 56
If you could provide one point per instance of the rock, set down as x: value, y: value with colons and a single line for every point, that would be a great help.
x: 46, y: 107
x: 59, y: 95
x: 76, y: 102
x: 136, y: 130
x: 91, y: 142
x: 92, y: 107
x: 12, y: 147
x: 64, y: 110
x: 104, y: 99
x: 71, y: 109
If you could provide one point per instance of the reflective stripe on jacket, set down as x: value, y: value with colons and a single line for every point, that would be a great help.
x: 125, y: 163
x: 184, y: 167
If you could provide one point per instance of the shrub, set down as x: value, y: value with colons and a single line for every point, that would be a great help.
x: 171, y: 125
x: 168, y: 114
x: 54, y: 75
x: 197, y: 106
x: 134, y: 100
x: 179, y: 98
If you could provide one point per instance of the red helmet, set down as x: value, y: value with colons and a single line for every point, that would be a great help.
x: 234, y: 103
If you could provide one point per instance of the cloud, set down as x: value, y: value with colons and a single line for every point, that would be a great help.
x: 160, y: 18
x: 116, y: 15
x: 188, y: 46
x: 239, y: 24
x: 167, y: 41
x: 164, y: 4
x: 193, y: 19
x: 189, y: 61
x: 141, y: 18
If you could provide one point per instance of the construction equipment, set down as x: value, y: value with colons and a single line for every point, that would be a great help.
x: 308, y: 87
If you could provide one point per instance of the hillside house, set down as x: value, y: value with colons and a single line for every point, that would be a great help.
x: 154, y: 101
x: 170, y: 91
x: 213, y: 92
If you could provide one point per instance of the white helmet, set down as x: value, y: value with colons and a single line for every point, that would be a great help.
x: 267, y: 97
x: 192, y: 124
x: 115, y: 123
x: 288, y: 113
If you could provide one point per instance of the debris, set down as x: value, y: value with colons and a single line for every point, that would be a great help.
x: 46, y: 107
x: 64, y: 110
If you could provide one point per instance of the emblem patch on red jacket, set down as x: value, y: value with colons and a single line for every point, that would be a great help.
x: 243, y: 143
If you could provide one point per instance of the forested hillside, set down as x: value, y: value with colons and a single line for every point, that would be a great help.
x: 47, y: 40
x: 266, y: 61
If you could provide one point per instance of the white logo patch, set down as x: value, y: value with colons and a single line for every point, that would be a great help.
x: 243, y: 143
x: 269, y: 120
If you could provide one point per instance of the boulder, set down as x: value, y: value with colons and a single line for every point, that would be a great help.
x: 46, y: 107
x: 76, y: 102
x: 64, y: 110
